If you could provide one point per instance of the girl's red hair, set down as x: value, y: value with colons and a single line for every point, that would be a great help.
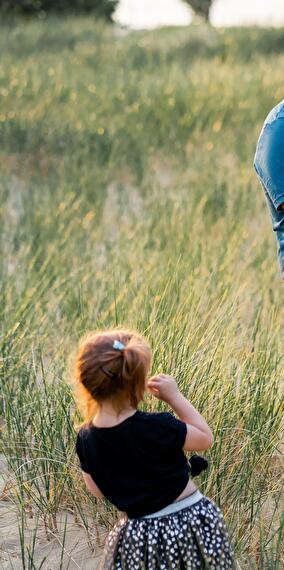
x: 105, y: 373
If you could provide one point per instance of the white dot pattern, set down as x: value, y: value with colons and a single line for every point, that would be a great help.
x: 193, y: 538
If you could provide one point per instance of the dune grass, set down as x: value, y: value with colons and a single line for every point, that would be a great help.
x: 129, y: 198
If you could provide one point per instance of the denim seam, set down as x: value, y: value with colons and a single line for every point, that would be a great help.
x: 278, y: 116
x: 276, y: 201
x: 269, y: 187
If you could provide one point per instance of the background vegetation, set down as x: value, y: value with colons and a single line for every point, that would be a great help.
x: 129, y: 197
x: 100, y: 8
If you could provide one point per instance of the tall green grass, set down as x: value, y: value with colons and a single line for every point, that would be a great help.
x: 129, y: 198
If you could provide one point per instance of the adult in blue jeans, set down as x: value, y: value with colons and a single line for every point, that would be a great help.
x: 269, y: 165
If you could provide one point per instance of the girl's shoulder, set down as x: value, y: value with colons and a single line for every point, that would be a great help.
x: 145, y: 417
x: 164, y: 427
x: 157, y: 417
x: 83, y: 432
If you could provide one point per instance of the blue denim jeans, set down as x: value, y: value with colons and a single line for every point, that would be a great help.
x: 269, y: 165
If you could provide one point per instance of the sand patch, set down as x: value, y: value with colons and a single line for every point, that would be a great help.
x: 70, y: 547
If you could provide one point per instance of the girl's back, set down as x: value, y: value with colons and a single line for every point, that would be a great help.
x: 142, y: 453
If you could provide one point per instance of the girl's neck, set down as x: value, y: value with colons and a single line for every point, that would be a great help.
x: 108, y: 416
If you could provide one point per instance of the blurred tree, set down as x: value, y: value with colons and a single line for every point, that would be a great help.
x: 201, y: 7
x: 100, y: 8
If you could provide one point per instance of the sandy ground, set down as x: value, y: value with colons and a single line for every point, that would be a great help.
x: 47, y: 551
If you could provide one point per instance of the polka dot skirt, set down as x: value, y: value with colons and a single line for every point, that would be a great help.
x: 193, y: 538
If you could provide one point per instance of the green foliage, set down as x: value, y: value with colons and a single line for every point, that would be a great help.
x: 101, y: 8
x: 201, y: 7
x: 128, y: 196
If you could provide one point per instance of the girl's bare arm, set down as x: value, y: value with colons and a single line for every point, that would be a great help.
x: 91, y: 485
x: 199, y: 435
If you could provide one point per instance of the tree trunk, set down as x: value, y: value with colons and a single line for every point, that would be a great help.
x: 207, y: 13
x: 201, y: 8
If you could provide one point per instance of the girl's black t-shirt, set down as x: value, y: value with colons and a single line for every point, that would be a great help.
x: 139, y: 465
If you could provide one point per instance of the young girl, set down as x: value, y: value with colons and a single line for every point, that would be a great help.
x: 136, y: 460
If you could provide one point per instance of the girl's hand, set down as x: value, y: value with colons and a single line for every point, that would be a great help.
x: 163, y: 387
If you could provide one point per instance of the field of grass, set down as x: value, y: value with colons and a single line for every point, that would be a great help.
x: 128, y: 197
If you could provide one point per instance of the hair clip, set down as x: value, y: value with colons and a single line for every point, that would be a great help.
x: 109, y: 373
x: 118, y: 345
